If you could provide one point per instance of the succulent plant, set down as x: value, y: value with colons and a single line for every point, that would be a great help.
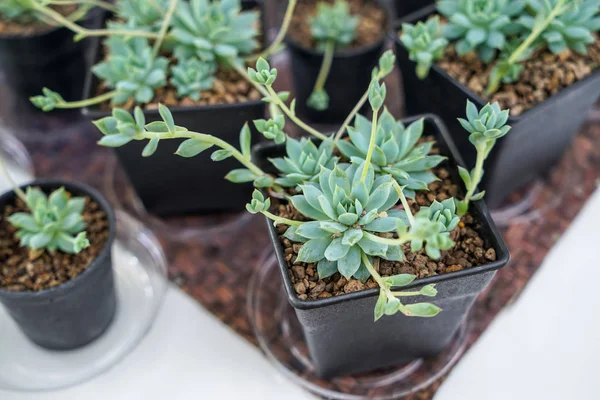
x: 272, y: 128
x: 346, y: 210
x: 17, y: 9
x: 214, y: 31
x: 332, y: 27
x: 396, y: 151
x: 433, y: 225
x: 132, y: 70
x: 573, y: 28
x: 485, y: 127
x: 304, y: 161
x: 55, y: 222
x: 192, y: 76
x: 333, y: 23
x: 143, y: 14
x: 480, y: 25
x: 425, y: 43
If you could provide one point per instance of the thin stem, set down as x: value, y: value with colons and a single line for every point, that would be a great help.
x: 325, y: 66
x: 388, y: 241
x: 83, y: 32
x: 289, y: 12
x: 371, y: 147
x: 401, y: 294
x: 273, y: 109
x: 352, y: 114
x: 88, y: 102
x: 14, y: 185
x: 280, y: 220
x: 477, y: 173
x: 400, y: 191
x: 535, y: 33
x: 246, y: 162
x: 165, y: 27
x: 292, y: 116
x: 372, y: 270
x: 97, y: 3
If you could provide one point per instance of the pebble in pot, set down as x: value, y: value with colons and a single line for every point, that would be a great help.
x: 56, y: 279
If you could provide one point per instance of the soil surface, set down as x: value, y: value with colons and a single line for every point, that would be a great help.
x: 23, y: 270
x: 470, y: 250
x: 26, y: 28
x: 371, y: 26
x: 544, y: 75
x: 229, y: 88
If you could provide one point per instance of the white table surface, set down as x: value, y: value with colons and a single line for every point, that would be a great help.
x: 544, y: 346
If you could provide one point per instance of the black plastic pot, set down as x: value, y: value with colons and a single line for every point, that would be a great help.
x: 49, y: 59
x: 348, y: 79
x: 341, y: 335
x: 538, y: 137
x: 75, y: 313
x: 171, y: 185
x: 403, y: 8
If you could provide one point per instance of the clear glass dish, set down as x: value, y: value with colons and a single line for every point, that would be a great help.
x: 140, y: 277
x: 279, y: 335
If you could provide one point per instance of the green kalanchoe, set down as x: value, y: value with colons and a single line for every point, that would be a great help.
x: 480, y: 25
x: 485, y: 127
x: 132, y: 70
x: 303, y: 161
x: 396, y: 151
x: 214, y: 31
x: 574, y: 28
x: 55, y: 222
x: 425, y: 44
x: 190, y: 77
x: 347, y: 212
x: 332, y: 28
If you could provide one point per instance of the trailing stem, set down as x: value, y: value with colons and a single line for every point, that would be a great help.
x: 164, y: 27
x: 319, y: 100
x: 273, y: 47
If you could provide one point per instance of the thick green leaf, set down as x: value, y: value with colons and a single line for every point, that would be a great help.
x: 421, y: 310
x: 240, y: 175
x: 326, y: 268
x: 192, y: 147
x: 150, y: 148
x: 399, y: 280
x: 313, y: 250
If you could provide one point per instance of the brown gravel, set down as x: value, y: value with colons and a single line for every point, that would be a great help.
x: 470, y: 251
x: 26, y: 28
x: 229, y: 88
x: 544, y: 75
x: 370, y: 29
x: 24, y: 271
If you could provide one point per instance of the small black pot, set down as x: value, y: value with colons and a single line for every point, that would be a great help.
x: 171, y: 185
x: 348, y: 78
x: 406, y: 7
x: 341, y: 335
x: 49, y: 59
x: 75, y: 313
x: 538, y: 137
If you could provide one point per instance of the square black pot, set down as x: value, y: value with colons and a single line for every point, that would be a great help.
x: 171, y: 185
x: 341, y: 335
x: 538, y: 137
x: 403, y: 8
x: 48, y: 59
x: 78, y: 311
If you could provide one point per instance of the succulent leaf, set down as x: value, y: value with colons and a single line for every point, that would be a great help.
x: 191, y: 77
x: 425, y: 43
x: 333, y: 22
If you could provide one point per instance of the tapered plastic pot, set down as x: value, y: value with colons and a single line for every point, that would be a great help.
x: 341, y: 335
x: 49, y: 59
x: 346, y: 83
x: 78, y: 311
x: 538, y: 137
x: 403, y: 8
x: 168, y: 184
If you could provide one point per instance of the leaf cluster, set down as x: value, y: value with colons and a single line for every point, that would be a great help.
x: 333, y: 23
x: 54, y: 222
x: 425, y: 43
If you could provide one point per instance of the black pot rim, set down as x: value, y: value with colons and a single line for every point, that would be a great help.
x: 427, y: 11
x: 501, y: 251
x: 347, y: 53
x: 96, y: 112
x: 94, y: 195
